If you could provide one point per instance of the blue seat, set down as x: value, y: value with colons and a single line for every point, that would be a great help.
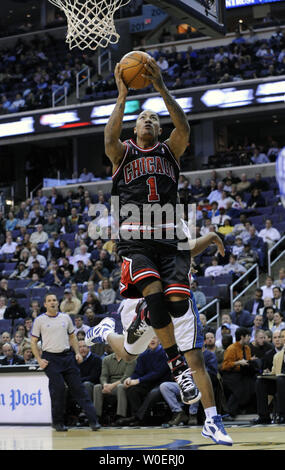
x: 280, y: 227
x: 5, y: 325
x: 15, y: 233
x: 210, y: 291
x: 7, y: 272
x: 58, y: 291
x: 235, y: 221
x: 275, y: 218
x: 257, y: 219
x: 201, y: 81
x: 207, y: 260
x: 188, y: 82
x: 38, y: 292
x: 223, y: 279
x: 112, y: 307
x: 67, y: 236
x: 264, y: 210
x: 248, y: 74
x: 71, y: 244
x: 22, y: 292
x: 279, y: 210
x: 18, y: 283
x: 9, y: 266
x: 246, y: 196
x: 203, y: 281
x: 24, y: 303
x: 224, y: 294
x: 267, y: 194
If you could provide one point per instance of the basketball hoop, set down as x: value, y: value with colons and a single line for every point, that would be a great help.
x: 90, y: 23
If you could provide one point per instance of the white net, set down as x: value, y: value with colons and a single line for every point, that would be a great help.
x: 90, y: 23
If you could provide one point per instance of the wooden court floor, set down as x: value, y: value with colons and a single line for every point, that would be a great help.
x: 182, y: 439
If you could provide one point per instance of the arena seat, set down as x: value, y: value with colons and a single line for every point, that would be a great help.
x: 112, y: 307
x: 22, y: 292
x: 5, y: 325
x: 257, y: 219
x: 204, y: 281
x: 223, y: 279
x: 18, y: 283
x: 210, y: 291
x: 24, y: 303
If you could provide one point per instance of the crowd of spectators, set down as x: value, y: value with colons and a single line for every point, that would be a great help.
x: 244, y: 58
x: 45, y: 245
x: 33, y: 69
x: 245, y: 154
x: 34, y: 22
x: 44, y: 241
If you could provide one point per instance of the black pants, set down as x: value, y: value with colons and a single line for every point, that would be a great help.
x: 136, y: 397
x: 61, y: 369
x: 240, y: 390
x: 265, y: 387
x: 152, y: 397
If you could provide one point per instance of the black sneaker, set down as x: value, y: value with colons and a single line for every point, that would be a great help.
x: 261, y: 420
x: 177, y: 418
x: 188, y: 390
x: 140, y: 323
x: 60, y: 427
x: 183, y: 376
x: 95, y: 426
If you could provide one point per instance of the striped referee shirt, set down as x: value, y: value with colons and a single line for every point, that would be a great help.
x: 53, y: 331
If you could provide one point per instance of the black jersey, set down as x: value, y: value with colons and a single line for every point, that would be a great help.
x: 144, y: 178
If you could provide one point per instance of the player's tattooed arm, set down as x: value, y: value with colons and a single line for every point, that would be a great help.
x: 114, y: 148
x: 179, y: 137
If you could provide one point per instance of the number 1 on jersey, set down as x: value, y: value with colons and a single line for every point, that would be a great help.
x: 153, y: 195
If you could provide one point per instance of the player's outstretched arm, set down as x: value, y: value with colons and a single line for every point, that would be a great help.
x: 114, y: 148
x: 200, y: 244
x: 179, y: 137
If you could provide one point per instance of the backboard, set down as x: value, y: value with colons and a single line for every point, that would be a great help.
x: 207, y: 16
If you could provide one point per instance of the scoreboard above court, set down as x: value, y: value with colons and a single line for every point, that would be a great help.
x: 198, y: 103
x: 247, y: 3
x: 207, y: 16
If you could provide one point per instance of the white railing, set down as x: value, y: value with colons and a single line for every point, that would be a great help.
x: 271, y: 263
x: 35, y: 189
x: 255, y: 281
x: 63, y: 95
x: 107, y: 61
x: 217, y: 315
x: 80, y: 78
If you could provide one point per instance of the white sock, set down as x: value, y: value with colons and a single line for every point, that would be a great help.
x: 210, y: 412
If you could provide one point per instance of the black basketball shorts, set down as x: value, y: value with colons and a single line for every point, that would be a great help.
x: 144, y: 262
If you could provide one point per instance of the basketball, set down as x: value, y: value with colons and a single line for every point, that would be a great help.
x: 132, y: 66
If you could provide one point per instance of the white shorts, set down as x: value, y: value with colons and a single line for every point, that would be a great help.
x: 188, y: 329
x: 127, y: 310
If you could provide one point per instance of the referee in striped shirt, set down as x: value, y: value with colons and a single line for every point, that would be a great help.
x: 56, y: 332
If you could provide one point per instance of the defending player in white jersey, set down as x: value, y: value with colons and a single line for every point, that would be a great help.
x: 138, y: 333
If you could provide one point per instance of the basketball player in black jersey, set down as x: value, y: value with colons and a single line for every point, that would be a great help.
x: 146, y: 172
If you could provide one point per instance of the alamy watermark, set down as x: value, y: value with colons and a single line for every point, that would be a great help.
x: 144, y: 222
